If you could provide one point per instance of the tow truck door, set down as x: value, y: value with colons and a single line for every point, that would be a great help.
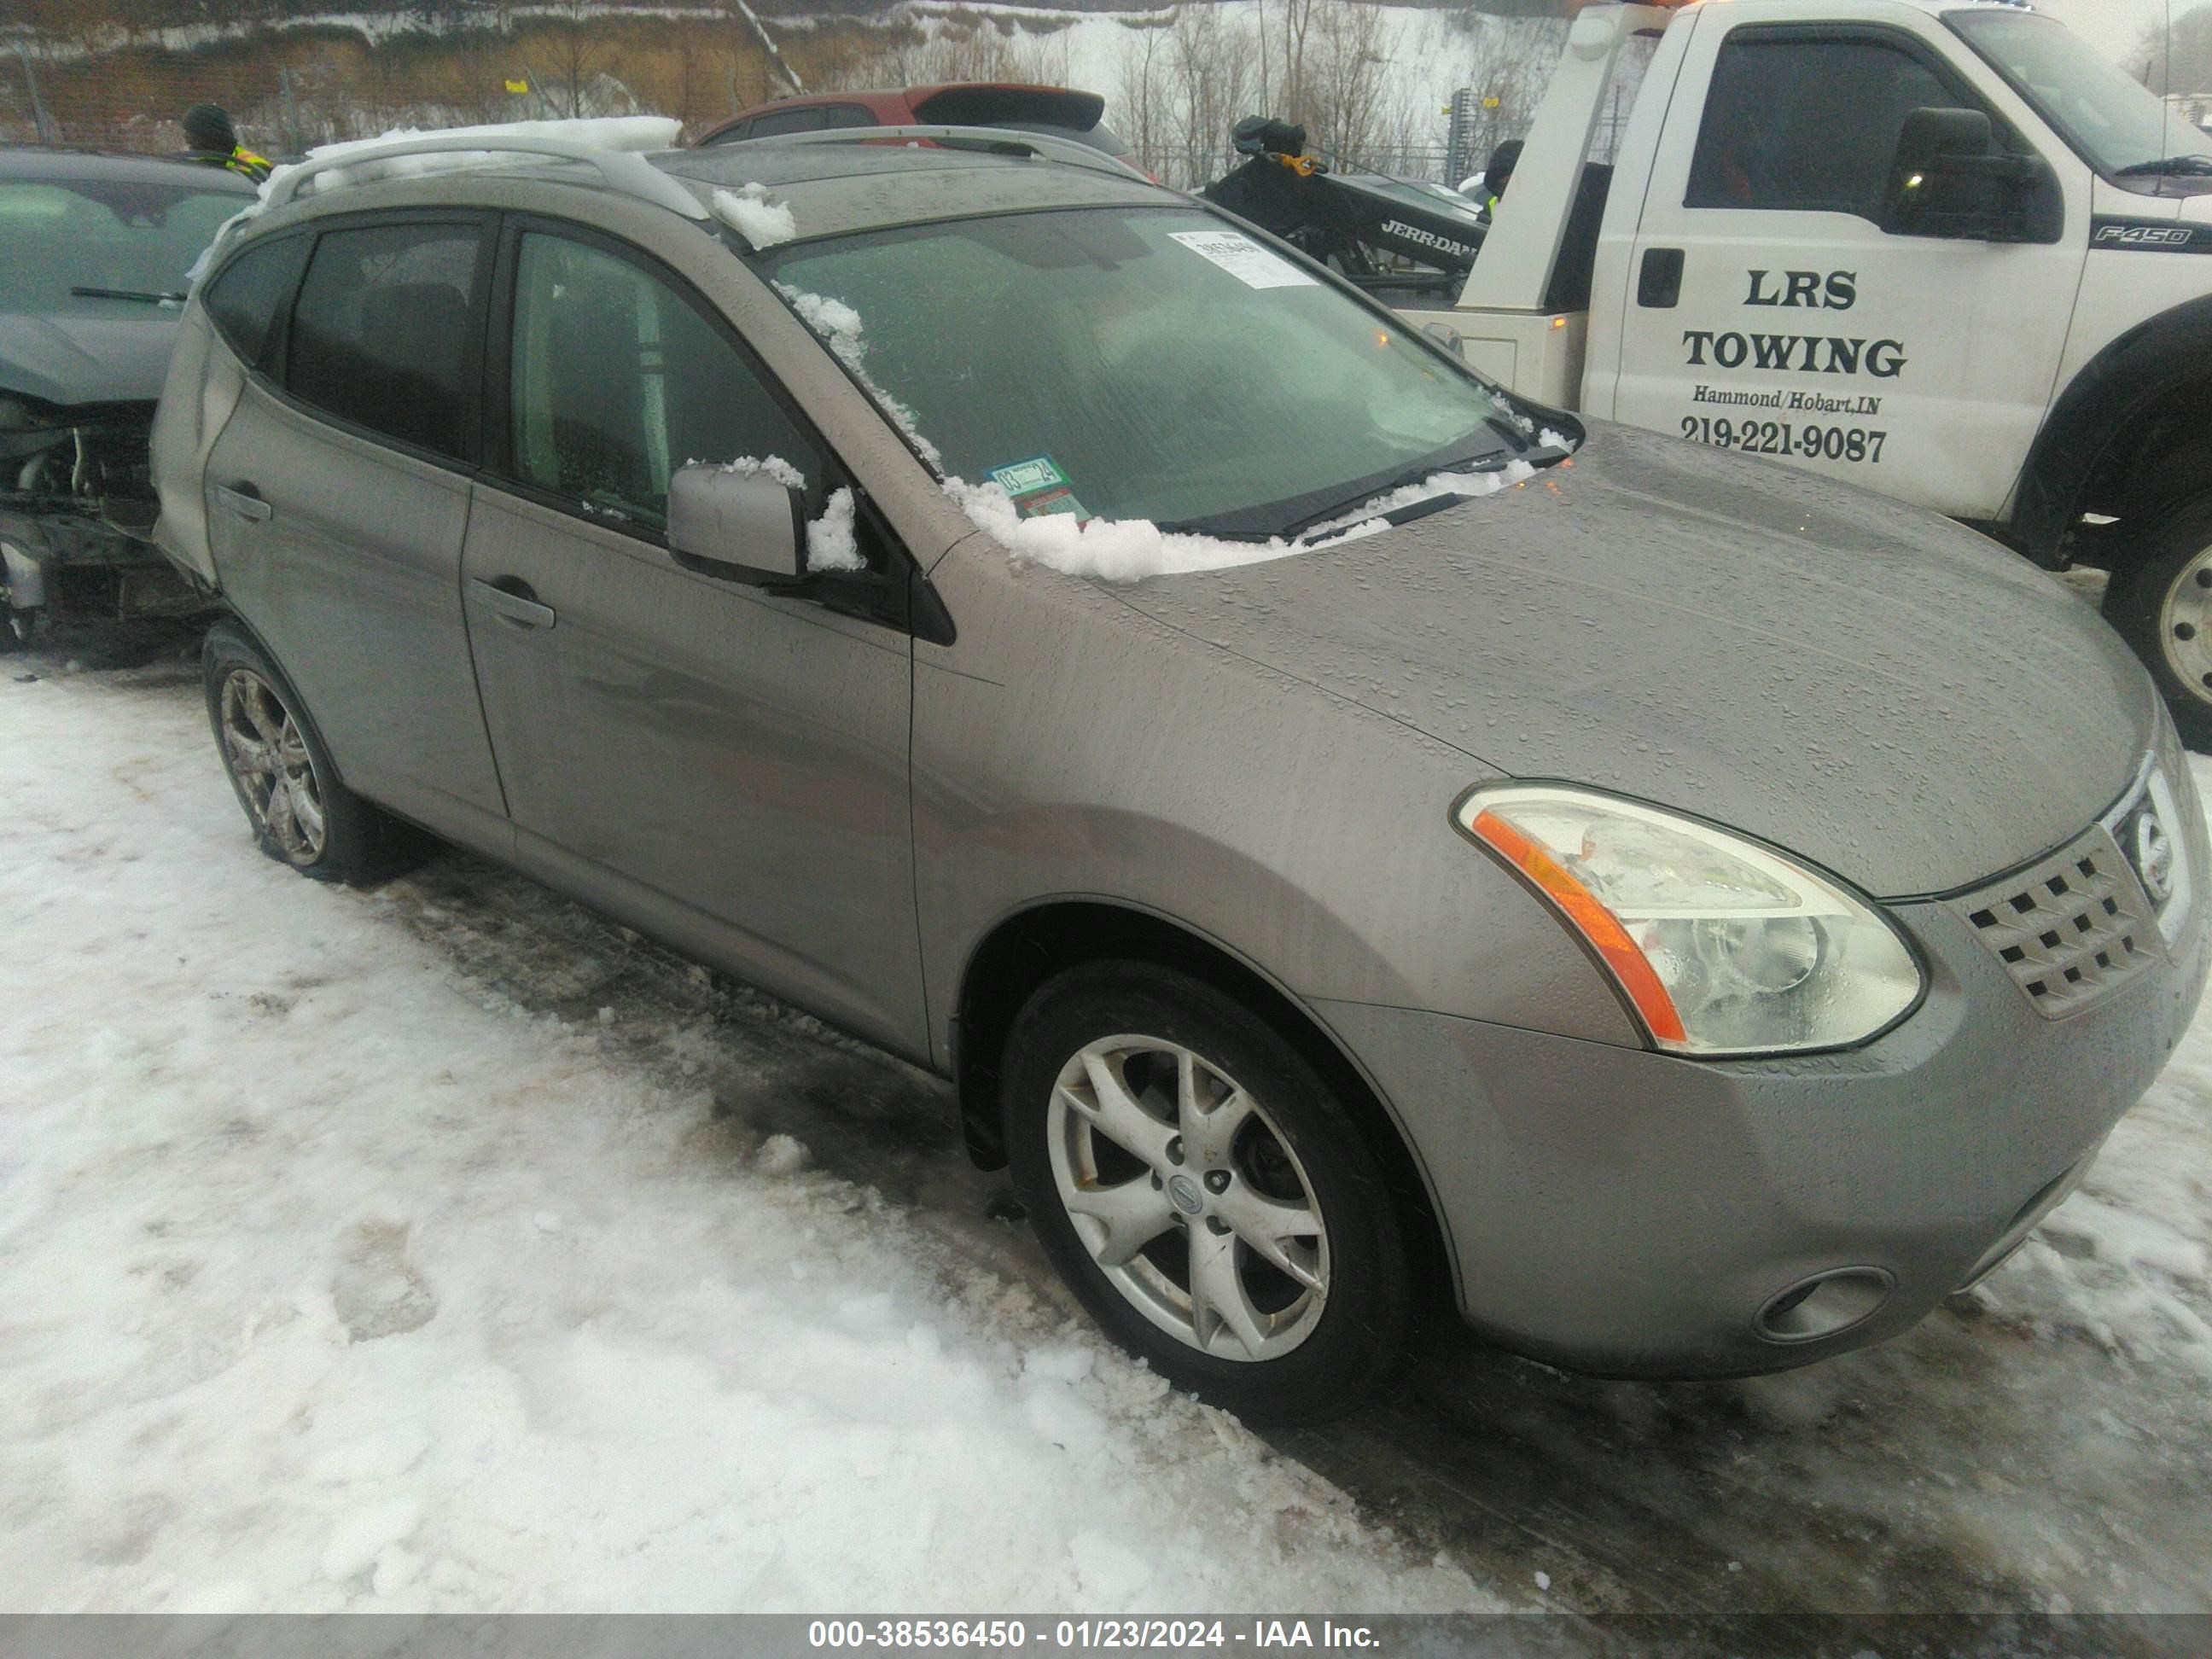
x: 1767, y: 312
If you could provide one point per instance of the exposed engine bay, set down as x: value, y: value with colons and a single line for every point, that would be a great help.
x: 76, y: 509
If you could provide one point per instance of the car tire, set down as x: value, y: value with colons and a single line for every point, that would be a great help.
x: 2161, y: 603
x: 1115, y: 1082
x: 300, y: 815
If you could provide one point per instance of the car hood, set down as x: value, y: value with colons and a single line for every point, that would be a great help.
x: 86, y: 360
x: 1873, y: 688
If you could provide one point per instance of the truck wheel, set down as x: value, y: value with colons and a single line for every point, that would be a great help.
x: 299, y: 813
x: 1201, y: 1190
x: 2161, y: 603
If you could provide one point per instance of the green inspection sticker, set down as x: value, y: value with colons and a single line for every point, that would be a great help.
x: 1038, y: 472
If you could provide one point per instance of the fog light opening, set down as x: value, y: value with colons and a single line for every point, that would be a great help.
x: 1825, y: 1305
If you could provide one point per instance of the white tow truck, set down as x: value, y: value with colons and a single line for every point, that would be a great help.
x: 1940, y: 248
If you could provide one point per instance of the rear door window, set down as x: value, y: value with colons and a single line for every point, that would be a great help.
x: 386, y: 329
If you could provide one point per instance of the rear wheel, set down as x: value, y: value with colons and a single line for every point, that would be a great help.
x: 2161, y: 603
x: 299, y: 813
x: 1203, y: 1192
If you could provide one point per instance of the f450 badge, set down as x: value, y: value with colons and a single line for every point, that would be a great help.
x: 2129, y: 233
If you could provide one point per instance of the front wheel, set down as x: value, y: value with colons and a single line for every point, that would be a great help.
x: 2161, y: 603
x: 1203, y: 1192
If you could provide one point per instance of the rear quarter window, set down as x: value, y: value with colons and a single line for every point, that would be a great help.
x: 248, y: 294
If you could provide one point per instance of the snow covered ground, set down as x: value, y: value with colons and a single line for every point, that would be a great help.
x: 442, y: 1248
x: 331, y: 1279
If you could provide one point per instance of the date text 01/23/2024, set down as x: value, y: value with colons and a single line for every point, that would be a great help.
x: 1002, y: 1635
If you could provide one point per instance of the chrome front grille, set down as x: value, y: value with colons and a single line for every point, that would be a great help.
x: 2070, y: 931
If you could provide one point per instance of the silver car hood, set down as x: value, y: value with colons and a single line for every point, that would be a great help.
x: 1877, y: 690
x: 69, y: 361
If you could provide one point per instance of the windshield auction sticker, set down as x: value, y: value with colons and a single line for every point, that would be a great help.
x: 1038, y: 486
x: 1243, y: 259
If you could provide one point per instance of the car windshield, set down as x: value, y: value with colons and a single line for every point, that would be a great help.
x: 130, y: 239
x: 1150, y: 364
x: 2114, y: 122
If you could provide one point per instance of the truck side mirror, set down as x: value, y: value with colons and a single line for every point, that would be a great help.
x: 742, y: 526
x: 1950, y: 180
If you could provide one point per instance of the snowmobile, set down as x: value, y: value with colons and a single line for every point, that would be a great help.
x: 1378, y: 232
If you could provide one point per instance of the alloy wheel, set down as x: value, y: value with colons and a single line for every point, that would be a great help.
x: 1188, y: 1198
x: 268, y: 756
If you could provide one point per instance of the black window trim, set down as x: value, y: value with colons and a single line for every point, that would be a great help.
x: 1876, y: 34
x: 878, y: 596
x: 278, y: 367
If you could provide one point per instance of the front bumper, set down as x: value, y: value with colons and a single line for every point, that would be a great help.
x: 65, y: 562
x: 1630, y: 1213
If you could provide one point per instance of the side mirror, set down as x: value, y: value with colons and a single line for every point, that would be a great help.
x: 739, y: 526
x: 1950, y: 180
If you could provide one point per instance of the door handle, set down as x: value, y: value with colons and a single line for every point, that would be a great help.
x: 510, y: 599
x: 243, y: 499
x: 1659, y: 283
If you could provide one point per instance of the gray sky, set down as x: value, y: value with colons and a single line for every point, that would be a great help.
x: 2113, y: 26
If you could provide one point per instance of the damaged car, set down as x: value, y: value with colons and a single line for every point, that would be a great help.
x: 94, y: 251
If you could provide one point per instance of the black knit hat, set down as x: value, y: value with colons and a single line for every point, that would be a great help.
x: 207, y: 126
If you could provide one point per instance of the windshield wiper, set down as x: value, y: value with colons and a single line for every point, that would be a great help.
x: 2192, y: 166
x: 127, y: 293
x: 1486, y: 461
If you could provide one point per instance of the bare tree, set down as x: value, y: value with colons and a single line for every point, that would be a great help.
x: 574, y: 49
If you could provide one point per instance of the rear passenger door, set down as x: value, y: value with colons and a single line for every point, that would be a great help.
x: 337, y: 497
x: 722, y: 764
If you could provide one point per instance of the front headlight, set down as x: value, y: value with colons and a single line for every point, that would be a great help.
x: 1722, y: 946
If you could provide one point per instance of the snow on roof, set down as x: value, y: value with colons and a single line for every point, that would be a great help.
x: 638, y: 134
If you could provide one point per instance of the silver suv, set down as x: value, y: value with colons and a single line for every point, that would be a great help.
x: 1340, y: 829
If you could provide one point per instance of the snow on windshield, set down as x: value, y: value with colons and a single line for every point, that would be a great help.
x: 839, y: 326
x: 750, y: 213
x: 1130, y: 550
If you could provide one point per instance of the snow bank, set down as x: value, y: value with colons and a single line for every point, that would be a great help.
x: 334, y: 1283
x: 1130, y: 550
x: 750, y: 213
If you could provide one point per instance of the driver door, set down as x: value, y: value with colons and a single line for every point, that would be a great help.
x: 1769, y: 313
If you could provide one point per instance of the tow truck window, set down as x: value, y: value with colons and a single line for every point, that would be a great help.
x: 1807, y: 125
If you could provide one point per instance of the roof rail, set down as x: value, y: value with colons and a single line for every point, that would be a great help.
x: 998, y: 140
x: 623, y: 170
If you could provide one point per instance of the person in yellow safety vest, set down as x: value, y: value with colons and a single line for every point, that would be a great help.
x: 1498, y: 174
x: 213, y: 141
